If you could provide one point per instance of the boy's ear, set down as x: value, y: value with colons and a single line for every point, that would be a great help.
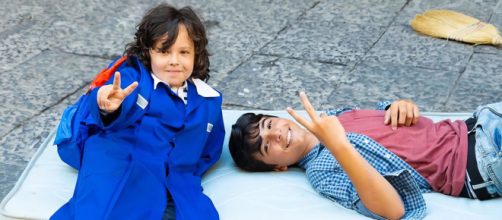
x: 281, y: 168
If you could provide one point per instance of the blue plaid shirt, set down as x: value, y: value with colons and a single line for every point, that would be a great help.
x: 330, y: 180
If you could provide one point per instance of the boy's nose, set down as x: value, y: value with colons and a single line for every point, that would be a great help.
x: 274, y: 134
x: 173, y: 59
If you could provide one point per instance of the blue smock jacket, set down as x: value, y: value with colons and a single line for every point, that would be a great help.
x: 155, y: 146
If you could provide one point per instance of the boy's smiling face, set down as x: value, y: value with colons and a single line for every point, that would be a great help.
x: 284, y: 142
x: 175, y: 65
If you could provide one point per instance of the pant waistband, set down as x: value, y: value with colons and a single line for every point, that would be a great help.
x: 476, y: 184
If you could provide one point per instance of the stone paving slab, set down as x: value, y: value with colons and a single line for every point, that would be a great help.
x: 402, y: 45
x: 234, y: 37
x: 262, y: 16
x: 12, y: 116
x: 481, y: 83
x: 41, y: 83
x: 95, y: 34
x: 227, y: 54
x: 22, y: 142
x: 9, y: 173
x: 323, y: 41
x: 268, y: 82
x: 361, y: 12
x: 371, y: 83
x: 16, y: 17
x: 20, y: 47
x: 496, y: 20
x: 481, y: 9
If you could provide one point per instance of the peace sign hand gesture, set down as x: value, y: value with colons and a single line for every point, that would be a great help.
x: 375, y: 192
x: 327, y: 129
x: 110, y: 97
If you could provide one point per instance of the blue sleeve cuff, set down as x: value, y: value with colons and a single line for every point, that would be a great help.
x: 383, y: 105
x: 359, y: 207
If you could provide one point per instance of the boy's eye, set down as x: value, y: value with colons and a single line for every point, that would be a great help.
x: 158, y: 50
x: 269, y: 124
x: 266, y: 147
x: 185, y: 52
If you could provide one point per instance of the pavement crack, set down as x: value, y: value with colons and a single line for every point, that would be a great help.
x: 461, y: 73
x: 26, y: 120
x: 230, y: 105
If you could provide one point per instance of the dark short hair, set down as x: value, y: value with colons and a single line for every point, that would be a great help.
x: 245, y: 142
x: 165, y: 19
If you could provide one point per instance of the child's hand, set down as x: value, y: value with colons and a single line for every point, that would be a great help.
x: 110, y: 97
x: 327, y: 129
x: 402, y: 113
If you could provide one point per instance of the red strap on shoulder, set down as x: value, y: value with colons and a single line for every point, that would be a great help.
x: 106, y: 74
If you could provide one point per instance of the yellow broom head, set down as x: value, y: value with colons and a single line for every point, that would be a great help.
x: 453, y: 25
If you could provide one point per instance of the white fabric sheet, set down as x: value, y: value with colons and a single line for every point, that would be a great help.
x: 47, y: 183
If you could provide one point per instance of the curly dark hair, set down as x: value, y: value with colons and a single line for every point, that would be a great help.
x: 245, y: 142
x: 164, y: 19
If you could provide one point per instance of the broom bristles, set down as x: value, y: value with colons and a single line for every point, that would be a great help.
x: 453, y: 25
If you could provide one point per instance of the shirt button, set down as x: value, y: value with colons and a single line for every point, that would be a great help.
x: 387, y: 156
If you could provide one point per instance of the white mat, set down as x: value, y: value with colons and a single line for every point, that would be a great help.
x: 47, y: 183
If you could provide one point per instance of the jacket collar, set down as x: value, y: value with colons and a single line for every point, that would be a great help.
x: 203, y: 89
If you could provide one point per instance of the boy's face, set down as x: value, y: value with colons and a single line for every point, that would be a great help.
x: 283, y: 142
x: 175, y: 65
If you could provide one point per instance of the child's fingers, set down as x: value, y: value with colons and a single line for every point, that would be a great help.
x: 416, y: 113
x: 128, y: 90
x: 116, y: 81
x: 386, y: 119
x: 308, y: 106
x: 298, y: 117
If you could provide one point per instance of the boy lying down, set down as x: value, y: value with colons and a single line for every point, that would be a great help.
x: 378, y: 162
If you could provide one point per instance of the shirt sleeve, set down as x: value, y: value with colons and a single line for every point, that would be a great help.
x: 338, y: 111
x: 337, y: 187
x: 383, y: 105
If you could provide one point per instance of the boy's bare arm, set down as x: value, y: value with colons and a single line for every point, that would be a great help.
x: 375, y: 192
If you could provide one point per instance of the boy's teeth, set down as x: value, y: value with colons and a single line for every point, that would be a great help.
x: 289, y: 137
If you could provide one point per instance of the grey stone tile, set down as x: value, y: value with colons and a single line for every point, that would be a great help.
x: 97, y: 28
x: 12, y: 116
x: 401, y: 45
x: 324, y: 41
x: 107, y: 35
x: 267, y: 82
x: 481, y: 9
x: 496, y: 20
x: 16, y: 17
x: 238, y: 29
x: 362, y: 12
x: 227, y: 53
x: 25, y: 139
x: 47, y: 78
x: 262, y: 16
x: 21, y: 143
x: 9, y: 173
x: 479, y: 84
x: 21, y: 46
x: 371, y: 83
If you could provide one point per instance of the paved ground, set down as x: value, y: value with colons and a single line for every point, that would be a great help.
x: 340, y: 52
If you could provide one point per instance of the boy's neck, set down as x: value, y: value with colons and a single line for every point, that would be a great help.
x: 312, y: 142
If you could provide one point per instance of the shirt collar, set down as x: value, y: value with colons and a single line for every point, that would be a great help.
x: 311, y: 155
x: 203, y: 89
